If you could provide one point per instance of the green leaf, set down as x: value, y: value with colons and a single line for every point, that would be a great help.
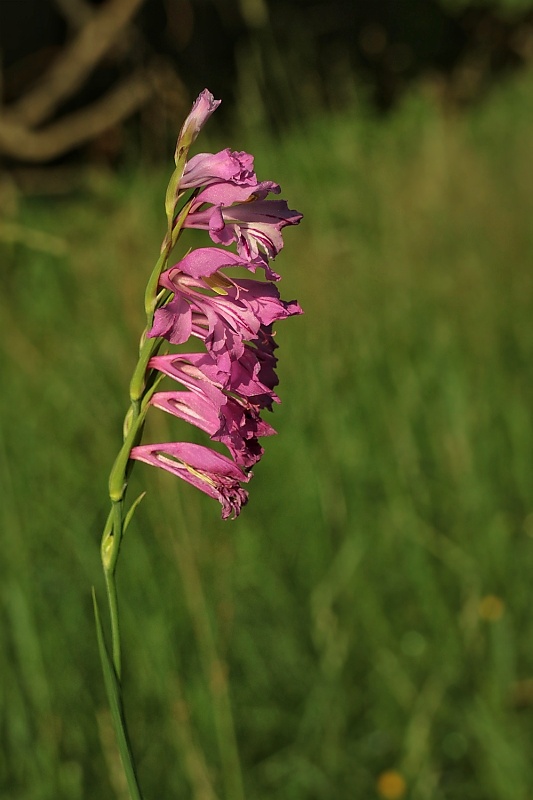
x: 131, y: 510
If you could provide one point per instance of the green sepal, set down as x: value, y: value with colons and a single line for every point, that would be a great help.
x: 180, y: 219
x: 131, y: 510
x: 106, y: 546
x: 119, y: 472
x: 117, y: 477
x: 173, y: 233
x: 115, y: 704
x: 138, y: 380
x: 153, y: 281
x: 171, y: 196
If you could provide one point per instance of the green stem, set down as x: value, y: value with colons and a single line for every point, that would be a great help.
x: 112, y: 668
x: 109, y: 558
x: 172, y: 236
x: 138, y: 380
x: 151, y: 287
x: 114, y: 695
x: 112, y: 601
x: 118, y: 475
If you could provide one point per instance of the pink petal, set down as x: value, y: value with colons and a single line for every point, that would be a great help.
x: 211, y: 472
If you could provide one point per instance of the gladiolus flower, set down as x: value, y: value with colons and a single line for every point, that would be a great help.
x: 224, y: 322
x: 241, y: 214
x: 228, y: 420
x: 226, y: 387
x: 212, y: 473
x: 252, y: 375
x: 225, y: 166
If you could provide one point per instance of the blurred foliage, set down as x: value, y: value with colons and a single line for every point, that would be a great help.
x: 365, y: 626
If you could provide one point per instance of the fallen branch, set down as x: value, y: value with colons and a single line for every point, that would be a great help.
x: 76, y: 12
x: 72, y: 67
x: 18, y: 141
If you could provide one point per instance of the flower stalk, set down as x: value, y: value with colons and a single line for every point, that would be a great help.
x: 226, y: 386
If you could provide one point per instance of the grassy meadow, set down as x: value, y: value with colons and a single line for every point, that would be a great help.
x: 365, y: 628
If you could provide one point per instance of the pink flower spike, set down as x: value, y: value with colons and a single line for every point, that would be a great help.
x: 212, y: 473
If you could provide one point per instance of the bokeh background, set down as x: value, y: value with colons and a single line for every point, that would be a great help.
x: 364, y: 629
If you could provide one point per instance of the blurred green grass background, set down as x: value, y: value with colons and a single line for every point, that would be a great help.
x: 364, y: 629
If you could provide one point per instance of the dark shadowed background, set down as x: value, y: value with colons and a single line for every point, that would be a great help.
x: 277, y: 61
